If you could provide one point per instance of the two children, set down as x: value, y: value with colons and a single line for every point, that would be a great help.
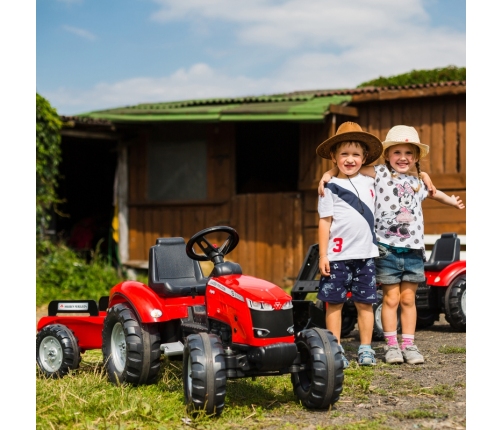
x: 399, y: 230
x: 347, y: 240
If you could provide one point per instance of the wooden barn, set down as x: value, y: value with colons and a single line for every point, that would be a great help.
x: 172, y: 169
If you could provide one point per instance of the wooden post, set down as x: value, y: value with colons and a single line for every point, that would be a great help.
x: 122, y: 192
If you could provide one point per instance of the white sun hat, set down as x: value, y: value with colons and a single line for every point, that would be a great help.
x: 400, y: 134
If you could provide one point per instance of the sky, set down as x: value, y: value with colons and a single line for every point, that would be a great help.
x: 93, y: 55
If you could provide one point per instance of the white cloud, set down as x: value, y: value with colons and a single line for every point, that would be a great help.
x: 199, y: 81
x: 80, y: 32
x: 296, y: 23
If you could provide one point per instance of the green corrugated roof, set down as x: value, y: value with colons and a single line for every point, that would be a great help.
x: 294, y: 107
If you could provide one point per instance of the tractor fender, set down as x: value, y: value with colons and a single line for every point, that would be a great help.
x: 143, y: 300
x: 447, y: 275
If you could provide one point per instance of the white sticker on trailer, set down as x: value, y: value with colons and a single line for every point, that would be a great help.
x: 226, y: 290
x: 73, y: 306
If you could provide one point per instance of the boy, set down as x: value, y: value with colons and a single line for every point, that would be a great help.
x: 347, y: 242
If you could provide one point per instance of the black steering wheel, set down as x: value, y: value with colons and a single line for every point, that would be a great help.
x: 211, y: 252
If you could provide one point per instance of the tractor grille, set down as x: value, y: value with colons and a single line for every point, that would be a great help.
x: 422, y: 296
x: 272, y: 323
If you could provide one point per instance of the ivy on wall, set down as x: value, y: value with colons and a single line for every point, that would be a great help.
x: 47, y: 159
x: 444, y: 74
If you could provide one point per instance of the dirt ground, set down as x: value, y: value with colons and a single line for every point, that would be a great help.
x: 428, y: 396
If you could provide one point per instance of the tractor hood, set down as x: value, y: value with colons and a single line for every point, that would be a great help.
x: 249, y: 287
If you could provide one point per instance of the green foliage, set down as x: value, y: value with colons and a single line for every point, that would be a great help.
x: 63, y: 274
x: 445, y: 74
x: 47, y: 161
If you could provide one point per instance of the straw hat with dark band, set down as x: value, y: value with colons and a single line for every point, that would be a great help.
x: 349, y: 132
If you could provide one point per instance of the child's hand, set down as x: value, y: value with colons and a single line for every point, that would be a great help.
x: 320, y: 188
x: 456, y: 202
x: 324, y: 265
x: 325, y: 179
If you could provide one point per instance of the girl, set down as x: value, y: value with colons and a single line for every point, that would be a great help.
x: 400, y: 234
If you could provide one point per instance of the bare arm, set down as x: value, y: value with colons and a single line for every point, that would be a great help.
x: 448, y: 200
x: 428, y: 183
x: 365, y: 170
x: 324, y: 225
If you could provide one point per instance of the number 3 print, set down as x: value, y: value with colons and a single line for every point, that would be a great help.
x: 338, y: 241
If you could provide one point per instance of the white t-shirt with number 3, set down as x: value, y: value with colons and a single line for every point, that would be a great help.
x: 351, y: 204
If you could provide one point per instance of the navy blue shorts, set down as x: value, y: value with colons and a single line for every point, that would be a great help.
x: 357, y: 276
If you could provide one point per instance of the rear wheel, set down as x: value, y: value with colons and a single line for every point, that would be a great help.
x: 320, y: 384
x: 377, y: 311
x: 425, y: 318
x: 131, y: 350
x: 455, y: 302
x: 204, y: 373
x: 57, y: 350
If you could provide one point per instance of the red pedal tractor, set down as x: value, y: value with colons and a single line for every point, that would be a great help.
x: 444, y: 288
x: 223, y: 326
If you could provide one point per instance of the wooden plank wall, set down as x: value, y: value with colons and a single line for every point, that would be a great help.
x: 269, y: 227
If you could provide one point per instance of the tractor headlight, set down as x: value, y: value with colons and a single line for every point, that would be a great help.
x: 156, y: 313
x: 259, y: 306
x: 288, y: 305
x: 261, y: 332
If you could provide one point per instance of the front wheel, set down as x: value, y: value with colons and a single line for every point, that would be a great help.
x: 320, y: 384
x: 455, y: 302
x: 204, y: 373
x: 131, y: 350
x: 57, y: 350
x: 377, y: 311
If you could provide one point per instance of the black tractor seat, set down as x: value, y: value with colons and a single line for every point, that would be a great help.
x: 446, y: 250
x: 171, y: 273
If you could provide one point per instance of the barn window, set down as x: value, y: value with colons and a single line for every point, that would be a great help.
x: 177, y: 170
x: 267, y: 157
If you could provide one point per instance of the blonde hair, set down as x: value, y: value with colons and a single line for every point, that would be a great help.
x: 362, y: 145
x: 416, y: 154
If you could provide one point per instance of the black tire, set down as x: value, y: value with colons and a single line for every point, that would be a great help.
x: 377, y: 325
x: 204, y: 374
x: 320, y: 384
x: 131, y: 350
x: 425, y: 318
x: 455, y: 302
x: 57, y: 351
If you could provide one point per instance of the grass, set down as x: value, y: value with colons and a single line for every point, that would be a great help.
x: 418, y: 414
x: 85, y: 399
x: 444, y: 349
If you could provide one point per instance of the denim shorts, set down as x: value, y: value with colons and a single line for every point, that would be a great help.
x: 356, y: 276
x: 393, y: 268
